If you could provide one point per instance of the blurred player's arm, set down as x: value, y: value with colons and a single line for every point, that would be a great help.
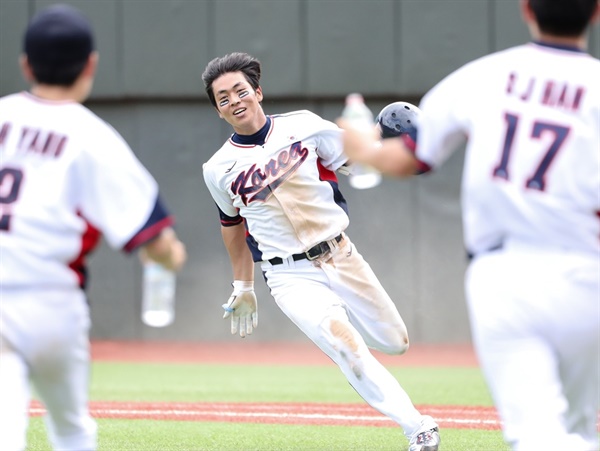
x: 121, y: 198
x: 165, y: 249
x: 389, y: 156
x: 157, y: 241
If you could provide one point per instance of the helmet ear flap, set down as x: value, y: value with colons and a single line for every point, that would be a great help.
x: 397, y: 119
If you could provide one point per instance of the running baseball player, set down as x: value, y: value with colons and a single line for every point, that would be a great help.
x: 531, y: 212
x: 280, y: 206
x: 65, y: 178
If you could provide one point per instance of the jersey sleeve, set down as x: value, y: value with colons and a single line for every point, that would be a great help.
x: 158, y: 220
x: 118, y: 195
x: 443, y: 126
x: 330, y: 148
x: 229, y: 215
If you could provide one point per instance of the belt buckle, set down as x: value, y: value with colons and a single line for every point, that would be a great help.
x: 310, y: 258
x: 322, y: 249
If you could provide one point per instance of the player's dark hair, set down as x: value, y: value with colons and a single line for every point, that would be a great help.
x: 50, y: 74
x: 568, y: 18
x: 233, y: 62
x: 58, y: 42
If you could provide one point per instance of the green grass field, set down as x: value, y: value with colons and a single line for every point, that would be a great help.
x: 237, y: 383
x: 241, y: 383
x: 145, y: 435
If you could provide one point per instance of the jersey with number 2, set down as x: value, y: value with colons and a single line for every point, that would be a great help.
x: 65, y: 177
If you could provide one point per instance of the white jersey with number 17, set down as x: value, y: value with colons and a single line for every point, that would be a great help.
x: 532, y: 164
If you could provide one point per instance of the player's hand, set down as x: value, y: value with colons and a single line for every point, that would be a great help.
x: 359, y: 145
x: 242, y: 308
x: 178, y: 255
x: 166, y: 249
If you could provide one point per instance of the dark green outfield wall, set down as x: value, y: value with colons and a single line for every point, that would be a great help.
x: 314, y: 52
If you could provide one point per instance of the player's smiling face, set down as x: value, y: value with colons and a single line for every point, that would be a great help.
x: 238, y: 103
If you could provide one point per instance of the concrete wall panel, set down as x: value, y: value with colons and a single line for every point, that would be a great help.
x: 437, y: 37
x: 148, y: 86
x: 165, y: 45
x: 13, y: 18
x: 351, y: 47
x: 272, y: 31
x: 413, y: 244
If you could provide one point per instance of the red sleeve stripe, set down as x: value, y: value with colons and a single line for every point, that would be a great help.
x: 411, y: 145
x: 148, y: 233
x: 409, y: 142
x: 229, y: 221
x: 226, y: 223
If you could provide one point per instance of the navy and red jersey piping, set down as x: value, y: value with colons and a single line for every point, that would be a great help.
x: 159, y: 219
x: 411, y: 144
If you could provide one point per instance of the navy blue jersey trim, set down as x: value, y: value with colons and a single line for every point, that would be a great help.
x: 229, y: 221
x: 253, y: 246
x: 158, y: 220
x: 257, y: 139
x: 338, y: 197
x: 569, y: 48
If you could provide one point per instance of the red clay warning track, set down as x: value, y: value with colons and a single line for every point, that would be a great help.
x: 256, y: 353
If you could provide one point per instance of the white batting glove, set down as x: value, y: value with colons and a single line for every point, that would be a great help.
x: 242, y: 308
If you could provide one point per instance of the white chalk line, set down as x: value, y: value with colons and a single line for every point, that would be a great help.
x: 182, y: 414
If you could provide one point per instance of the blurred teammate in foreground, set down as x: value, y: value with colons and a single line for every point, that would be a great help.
x: 530, y: 117
x: 66, y: 177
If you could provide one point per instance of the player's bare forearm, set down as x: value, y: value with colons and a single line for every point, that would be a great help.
x: 165, y: 249
x: 393, y: 158
x: 389, y: 156
x: 242, y: 264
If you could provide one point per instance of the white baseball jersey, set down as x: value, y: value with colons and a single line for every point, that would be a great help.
x: 281, y: 181
x: 531, y: 203
x: 65, y: 177
x: 532, y: 169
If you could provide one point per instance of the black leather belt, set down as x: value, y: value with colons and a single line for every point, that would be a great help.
x: 311, y: 254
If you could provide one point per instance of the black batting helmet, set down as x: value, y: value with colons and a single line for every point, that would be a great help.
x: 398, y: 118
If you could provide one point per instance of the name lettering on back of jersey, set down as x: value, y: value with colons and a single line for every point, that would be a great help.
x: 553, y: 93
x: 259, y: 184
x: 4, y: 133
x: 35, y: 141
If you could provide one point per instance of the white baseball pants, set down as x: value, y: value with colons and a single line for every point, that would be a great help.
x: 339, y: 303
x: 535, y: 317
x: 44, y: 340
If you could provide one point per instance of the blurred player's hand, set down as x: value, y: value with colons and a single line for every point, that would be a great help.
x: 242, y: 307
x: 165, y: 249
x: 358, y: 144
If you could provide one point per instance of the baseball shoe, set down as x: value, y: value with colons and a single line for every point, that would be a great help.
x: 428, y: 437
